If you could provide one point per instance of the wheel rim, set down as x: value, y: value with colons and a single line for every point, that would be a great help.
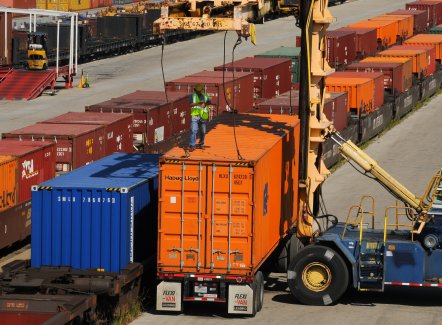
x: 316, y: 276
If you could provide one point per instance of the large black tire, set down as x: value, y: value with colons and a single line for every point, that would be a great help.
x: 318, y: 276
x: 288, y: 249
x: 45, y: 66
x: 259, y: 282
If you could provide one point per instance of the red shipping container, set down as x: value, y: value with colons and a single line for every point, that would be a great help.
x: 273, y: 76
x: 243, y: 85
x: 155, y: 118
x: 18, y: 4
x: 335, y: 107
x: 434, y: 11
x: 341, y: 47
x: 366, y: 41
x: 431, y: 55
x: 100, y: 3
x: 420, y: 19
x: 396, y: 76
x: 220, y: 92
x: 378, y: 79
x: 36, y: 163
x: 286, y: 104
x: 118, y: 128
x: 77, y: 145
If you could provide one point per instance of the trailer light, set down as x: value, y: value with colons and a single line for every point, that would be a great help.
x: 239, y: 279
x: 431, y: 241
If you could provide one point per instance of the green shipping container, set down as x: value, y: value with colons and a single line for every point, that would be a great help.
x: 435, y: 30
x: 294, y: 53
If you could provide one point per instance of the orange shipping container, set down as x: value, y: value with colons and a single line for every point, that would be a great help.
x: 77, y: 5
x: 360, y: 92
x: 419, y: 57
x: 405, y: 24
x: 219, y: 214
x: 8, y: 182
x: 428, y: 39
x: 430, y: 53
x: 386, y: 30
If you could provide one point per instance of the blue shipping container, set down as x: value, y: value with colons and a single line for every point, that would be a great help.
x: 100, y: 216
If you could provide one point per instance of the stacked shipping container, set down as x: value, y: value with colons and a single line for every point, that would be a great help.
x: 156, y: 117
x: 77, y: 145
x: 227, y: 90
x: 272, y: 75
x: 28, y: 163
x: 101, y: 216
x: 118, y: 128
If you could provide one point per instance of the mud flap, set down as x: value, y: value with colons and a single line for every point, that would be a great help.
x: 240, y: 299
x: 169, y: 296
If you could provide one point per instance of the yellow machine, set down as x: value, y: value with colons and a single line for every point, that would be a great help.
x: 37, y: 59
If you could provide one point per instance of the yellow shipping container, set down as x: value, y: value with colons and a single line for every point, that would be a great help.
x: 61, y: 5
x: 8, y: 182
x: 76, y: 5
x: 41, y: 4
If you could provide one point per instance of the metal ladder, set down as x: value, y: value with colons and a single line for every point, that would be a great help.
x: 371, y: 266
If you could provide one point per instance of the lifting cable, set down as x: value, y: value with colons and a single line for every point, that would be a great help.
x: 238, y: 42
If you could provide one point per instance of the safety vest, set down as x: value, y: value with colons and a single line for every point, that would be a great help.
x: 202, y: 112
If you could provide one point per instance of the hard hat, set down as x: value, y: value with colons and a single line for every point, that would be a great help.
x: 198, y: 87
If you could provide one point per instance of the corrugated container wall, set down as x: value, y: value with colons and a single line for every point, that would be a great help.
x: 419, y: 19
x: 36, y: 164
x: 155, y: 118
x: 397, y: 76
x: 41, y: 4
x: 294, y: 53
x: 58, y: 5
x: 219, y: 89
x: 272, y: 75
x: 101, y: 216
x: 386, y: 30
x: 118, y: 128
x: 434, y: 11
x: 77, y: 145
x: 77, y: 5
x: 18, y: 4
x: 8, y: 182
x: 335, y: 107
x: 405, y: 25
x: 419, y: 57
x: 366, y: 41
x: 378, y: 83
x: 222, y: 215
x: 430, y: 40
x: 360, y: 92
x: 341, y: 47
x: 242, y: 84
x: 5, y: 54
x: 430, y: 53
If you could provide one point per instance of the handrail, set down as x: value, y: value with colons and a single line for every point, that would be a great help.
x: 360, y: 214
x: 7, y: 73
x: 406, y: 210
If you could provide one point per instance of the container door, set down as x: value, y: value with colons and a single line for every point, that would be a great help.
x: 181, y: 227
x: 228, y: 218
